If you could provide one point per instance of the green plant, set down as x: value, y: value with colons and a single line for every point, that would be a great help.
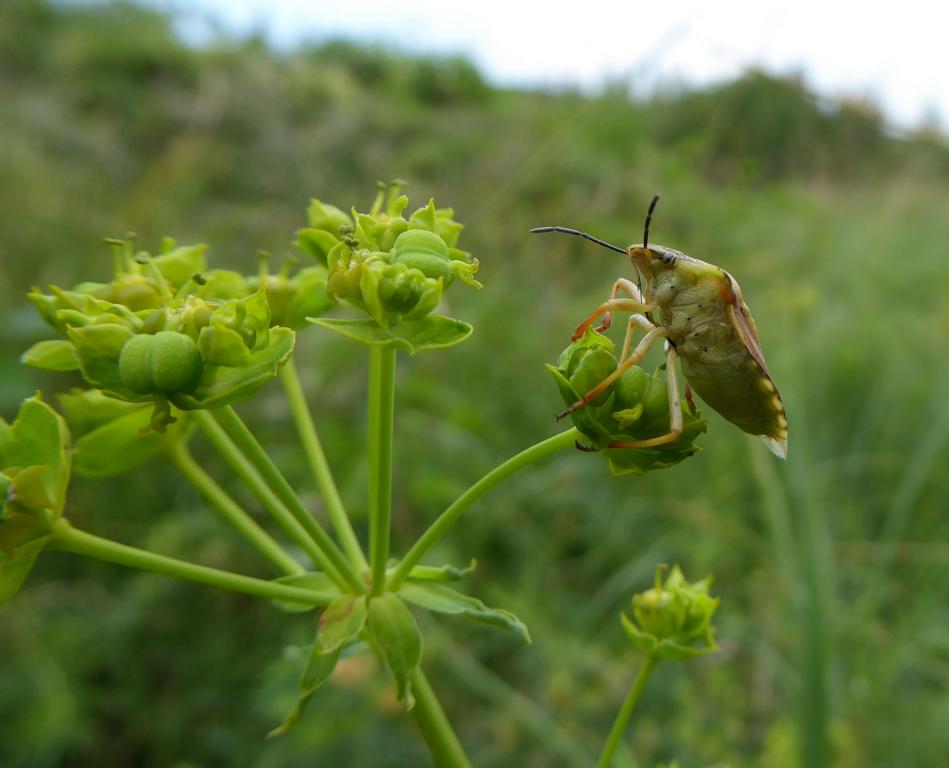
x: 168, y: 347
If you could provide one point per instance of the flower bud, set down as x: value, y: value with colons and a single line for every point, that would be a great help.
x: 673, y: 618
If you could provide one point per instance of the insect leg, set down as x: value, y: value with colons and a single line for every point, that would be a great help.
x: 613, y: 305
x: 635, y: 321
x: 621, y: 284
x: 634, y: 357
x: 675, y: 410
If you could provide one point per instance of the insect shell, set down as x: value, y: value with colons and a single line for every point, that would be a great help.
x: 708, y: 322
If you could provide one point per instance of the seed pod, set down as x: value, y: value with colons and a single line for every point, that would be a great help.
x: 424, y: 251
x: 164, y: 362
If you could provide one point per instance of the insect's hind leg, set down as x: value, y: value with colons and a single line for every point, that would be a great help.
x: 675, y: 410
x: 631, y: 290
x: 634, y: 357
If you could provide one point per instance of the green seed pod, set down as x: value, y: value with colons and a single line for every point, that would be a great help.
x: 160, y: 363
x: 424, y: 251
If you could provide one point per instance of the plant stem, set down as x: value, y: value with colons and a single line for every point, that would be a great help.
x: 442, y: 742
x: 230, y: 511
x: 448, y: 518
x: 381, y: 407
x: 315, y: 457
x: 330, y: 560
x: 244, y: 439
x: 626, y: 711
x: 81, y: 543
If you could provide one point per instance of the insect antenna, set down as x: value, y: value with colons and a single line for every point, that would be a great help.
x: 578, y: 233
x: 652, y: 207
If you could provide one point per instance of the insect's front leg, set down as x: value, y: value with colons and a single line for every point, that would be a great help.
x: 608, y: 307
x: 631, y: 290
x: 675, y: 410
x: 634, y: 357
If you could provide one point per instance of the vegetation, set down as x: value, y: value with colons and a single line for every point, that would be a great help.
x: 833, y: 631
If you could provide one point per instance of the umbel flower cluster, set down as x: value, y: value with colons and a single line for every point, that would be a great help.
x: 169, y: 331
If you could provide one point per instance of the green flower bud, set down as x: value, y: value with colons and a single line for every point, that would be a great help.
x: 164, y: 362
x: 673, y: 618
x: 293, y: 299
x: 658, y: 612
x: 223, y: 284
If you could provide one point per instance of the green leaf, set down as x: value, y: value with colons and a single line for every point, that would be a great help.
x: 316, y: 581
x: 121, y: 444
x: 222, y: 385
x: 221, y: 345
x: 87, y: 409
x: 14, y: 570
x: 316, y: 242
x: 39, y: 437
x: 395, y: 635
x: 317, y: 671
x: 179, y: 264
x: 99, y: 348
x: 432, y: 332
x: 341, y: 622
x: 442, y: 572
x: 443, y: 599
x: 52, y: 355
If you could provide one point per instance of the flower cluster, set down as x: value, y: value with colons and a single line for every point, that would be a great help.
x: 392, y: 268
x: 165, y: 332
x: 635, y: 407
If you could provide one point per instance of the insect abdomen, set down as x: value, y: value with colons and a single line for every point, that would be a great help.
x: 741, y: 392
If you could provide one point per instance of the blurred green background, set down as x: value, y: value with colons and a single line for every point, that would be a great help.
x: 832, y: 567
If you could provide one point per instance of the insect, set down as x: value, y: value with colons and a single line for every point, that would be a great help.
x: 699, y: 310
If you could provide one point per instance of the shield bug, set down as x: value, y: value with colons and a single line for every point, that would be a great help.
x: 699, y: 310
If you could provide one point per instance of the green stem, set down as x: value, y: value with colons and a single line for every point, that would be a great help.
x: 242, y: 467
x: 230, y: 511
x: 448, y: 518
x: 436, y: 730
x: 626, y: 711
x: 315, y: 457
x: 244, y: 439
x: 81, y: 543
x: 381, y: 407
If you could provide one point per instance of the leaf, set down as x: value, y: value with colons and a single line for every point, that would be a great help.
x: 52, y: 355
x: 121, y: 444
x: 442, y: 572
x: 431, y: 332
x: 316, y: 581
x: 317, y: 671
x: 443, y: 599
x: 39, y: 437
x: 14, y: 570
x: 395, y: 635
x: 87, y: 409
x: 222, y: 385
x: 341, y: 622
x: 99, y: 347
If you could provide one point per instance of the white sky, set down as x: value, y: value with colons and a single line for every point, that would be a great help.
x: 895, y: 53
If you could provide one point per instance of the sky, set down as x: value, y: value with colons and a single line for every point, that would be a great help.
x: 895, y: 55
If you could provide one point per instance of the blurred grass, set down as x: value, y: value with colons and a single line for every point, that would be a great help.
x: 831, y: 567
